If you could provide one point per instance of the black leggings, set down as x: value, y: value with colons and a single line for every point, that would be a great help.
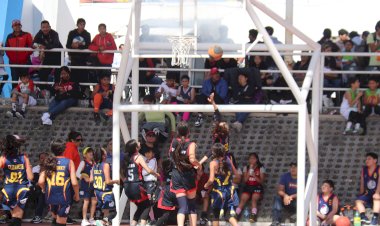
x: 142, y: 212
x: 356, y: 117
x: 165, y: 217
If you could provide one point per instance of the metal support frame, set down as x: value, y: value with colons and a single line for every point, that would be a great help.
x: 307, y: 131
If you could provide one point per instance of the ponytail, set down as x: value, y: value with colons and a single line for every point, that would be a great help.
x: 130, y: 148
x: 49, y: 165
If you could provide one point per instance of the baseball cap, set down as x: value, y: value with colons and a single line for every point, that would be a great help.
x: 87, y: 149
x: 293, y: 164
x: 16, y: 22
x: 151, y: 132
x: 214, y: 71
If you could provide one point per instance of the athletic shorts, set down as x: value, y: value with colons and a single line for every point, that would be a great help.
x: 255, y: 189
x: 367, y: 199
x: 31, y: 101
x: 167, y: 199
x: 60, y: 210
x: 221, y: 198
x: 15, y: 195
x: 135, y: 192
x: 106, y: 200
x: 86, y: 190
x: 183, y: 182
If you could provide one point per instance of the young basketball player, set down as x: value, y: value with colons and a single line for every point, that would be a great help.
x: 253, y: 179
x: 369, y: 189
x: 133, y: 185
x: 58, y: 173
x: 223, y: 195
x: 328, y: 204
x: 86, y: 191
x: 183, y: 183
x: 101, y: 177
x: 17, y: 172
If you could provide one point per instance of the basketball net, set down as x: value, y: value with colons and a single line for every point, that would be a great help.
x: 181, y: 46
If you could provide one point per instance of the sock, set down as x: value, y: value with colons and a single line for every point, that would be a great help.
x: 357, y: 126
x: 349, y: 124
x: 375, y: 214
x: 238, y: 210
x: 362, y: 215
x: 23, y: 107
x: 13, y: 106
x: 254, y: 210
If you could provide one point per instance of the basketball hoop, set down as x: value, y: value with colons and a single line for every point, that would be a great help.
x: 181, y: 46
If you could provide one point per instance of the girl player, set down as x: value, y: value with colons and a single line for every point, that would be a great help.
x: 223, y: 195
x: 58, y: 173
x: 183, y: 183
x: 86, y: 190
x: 133, y: 185
x: 17, y: 172
x: 101, y: 178
x: 253, y: 177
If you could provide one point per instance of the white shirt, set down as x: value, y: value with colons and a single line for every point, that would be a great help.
x: 152, y: 164
x: 167, y: 91
x: 36, y: 169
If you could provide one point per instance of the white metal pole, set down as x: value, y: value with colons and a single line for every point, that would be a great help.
x: 289, y: 20
x: 321, y: 76
x: 301, y: 165
x: 276, y: 55
x: 311, y: 72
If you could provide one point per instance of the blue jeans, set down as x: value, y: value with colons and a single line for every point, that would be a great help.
x: 241, y: 116
x: 57, y: 107
x: 278, y: 206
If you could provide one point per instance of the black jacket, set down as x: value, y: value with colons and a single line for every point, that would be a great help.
x: 50, y: 41
x: 85, y: 35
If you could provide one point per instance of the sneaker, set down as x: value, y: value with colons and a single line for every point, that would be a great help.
x: 36, y: 220
x: 92, y: 222
x: 85, y: 222
x: 221, y: 214
x: 252, y: 218
x: 104, y: 116
x: 70, y: 221
x: 237, y: 126
x: 275, y: 223
x: 203, y: 221
x: 20, y: 114
x: 358, y: 131
x: 48, y: 217
x: 374, y: 220
x: 97, y: 117
x: 347, y: 131
x: 48, y: 122
x: 10, y: 114
x: 199, y: 121
x: 45, y: 116
x: 365, y: 220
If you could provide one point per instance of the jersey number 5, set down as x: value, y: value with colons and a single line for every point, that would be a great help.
x: 130, y: 175
x: 58, y: 179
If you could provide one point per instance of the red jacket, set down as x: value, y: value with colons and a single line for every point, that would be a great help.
x: 23, y: 40
x: 108, y: 43
x: 71, y: 152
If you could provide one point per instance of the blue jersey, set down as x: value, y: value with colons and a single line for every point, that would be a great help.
x: 59, y: 190
x: 370, y: 179
x: 100, y: 179
x: 325, y: 206
x: 86, y: 172
x: 15, y: 170
x: 223, y: 180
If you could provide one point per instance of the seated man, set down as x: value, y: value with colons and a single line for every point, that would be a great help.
x: 369, y: 190
x: 217, y: 85
x: 286, y: 194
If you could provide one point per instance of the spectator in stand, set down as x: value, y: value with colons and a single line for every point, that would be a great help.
x: 66, y: 94
x: 223, y: 63
x: 102, y: 42
x: 156, y: 122
x: 148, y: 77
x: 303, y: 65
x: 38, y: 194
x: 326, y: 37
x: 355, y: 38
x: 185, y: 95
x: 330, y: 79
x: 278, y: 96
x: 3, y: 73
x: 348, y: 62
x: 217, y: 85
x: 167, y: 90
x: 245, y: 96
x: 351, y: 109
x: 286, y: 194
x: 328, y: 204
x: 373, y: 41
x: 102, y: 96
x: 372, y: 98
x: 249, y: 59
x: 259, y: 63
x: 47, y: 38
x: 343, y: 36
x: 21, y: 39
x: 23, y: 95
x: 369, y: 189
x: 78, y: 38
x: 268, y: 59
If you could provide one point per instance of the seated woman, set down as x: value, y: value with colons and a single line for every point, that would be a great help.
x: 66, y: 94
x: 102, y: 96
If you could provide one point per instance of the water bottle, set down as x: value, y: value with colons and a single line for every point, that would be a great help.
x: 47, y: 97
x: 246, y: 213
x: 357, y: 220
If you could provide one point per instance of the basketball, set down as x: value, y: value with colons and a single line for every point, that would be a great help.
x: 215, y: 52
x: 342, y: 221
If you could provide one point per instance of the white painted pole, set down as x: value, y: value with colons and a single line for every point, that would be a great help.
x: 321, y: 76
x: 289, y: 20
x: 276, y: 55
x: 301, y: 165
x: 310, y: 74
